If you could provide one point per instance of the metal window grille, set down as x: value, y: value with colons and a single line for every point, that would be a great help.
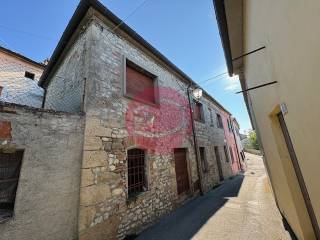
x: 10, y: 165
x: 136, y: 172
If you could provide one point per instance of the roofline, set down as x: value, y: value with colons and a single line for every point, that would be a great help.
x: 221, y: 17
x: 73, y: 24
x: 18, y: 55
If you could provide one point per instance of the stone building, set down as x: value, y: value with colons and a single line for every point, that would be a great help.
x: 19, y: 77
x: 231, y: 147
x: 127, y: 145
x: 131, y: 177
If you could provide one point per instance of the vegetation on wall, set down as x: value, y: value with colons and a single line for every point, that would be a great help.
x: 252, y: 136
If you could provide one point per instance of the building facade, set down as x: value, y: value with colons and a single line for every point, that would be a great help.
x: 240, y: 148
x: 19, y: 77
x: 139, y: 159
x: 117, y: 113
x: 231, y: 148
x: 278, y: 56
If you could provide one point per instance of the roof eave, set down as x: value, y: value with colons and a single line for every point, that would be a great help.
x: 221, y: 17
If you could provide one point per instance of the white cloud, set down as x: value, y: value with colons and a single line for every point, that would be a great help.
x: 232, y: 83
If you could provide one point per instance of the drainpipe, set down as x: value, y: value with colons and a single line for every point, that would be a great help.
x: 195, y: 141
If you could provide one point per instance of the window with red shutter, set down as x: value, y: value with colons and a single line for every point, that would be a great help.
x: 197, y: 113
x: 140, y: 84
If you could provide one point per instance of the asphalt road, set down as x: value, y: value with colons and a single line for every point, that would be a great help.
x: 241, y: 208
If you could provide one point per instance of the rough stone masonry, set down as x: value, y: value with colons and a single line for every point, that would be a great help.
x: 105, y: 211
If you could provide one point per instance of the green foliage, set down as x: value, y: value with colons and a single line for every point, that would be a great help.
x: 253, y: 140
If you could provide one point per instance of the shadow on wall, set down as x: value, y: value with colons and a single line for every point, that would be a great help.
x: 186, y: 221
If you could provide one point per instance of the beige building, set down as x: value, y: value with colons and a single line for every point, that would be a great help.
x: 274, y: 48
x: 19, y: 77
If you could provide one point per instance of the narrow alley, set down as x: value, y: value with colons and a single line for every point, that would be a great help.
x: 241, y: 208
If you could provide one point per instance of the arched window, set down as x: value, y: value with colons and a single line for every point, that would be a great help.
x: 136, y: 171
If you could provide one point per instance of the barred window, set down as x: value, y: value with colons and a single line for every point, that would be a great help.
x: 136, y: 172
x: 10, y: 165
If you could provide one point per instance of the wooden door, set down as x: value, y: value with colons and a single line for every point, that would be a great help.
x: 299, y: 175
x: 216, y: 152
x: 181, y: 167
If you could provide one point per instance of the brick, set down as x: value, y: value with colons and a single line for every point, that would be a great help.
x: 5, y: 130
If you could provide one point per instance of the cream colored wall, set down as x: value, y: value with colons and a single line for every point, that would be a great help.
x: 289, y: 30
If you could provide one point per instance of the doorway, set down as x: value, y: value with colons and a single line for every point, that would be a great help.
x: 181, y: 167
x: 216, y: 152
x: 299, y: 175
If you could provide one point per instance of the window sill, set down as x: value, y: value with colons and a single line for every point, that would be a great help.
x: 152, y: 104
x: 135, y: 198
x: 199, y: 120
x: 5, y: 215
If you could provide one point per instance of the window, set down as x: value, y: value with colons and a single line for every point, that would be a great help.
x: 198, y: 111
x: 10, y: 165
x: 139, y: 83
x: 1, y: 88
x: 231, y: 153
x: 226, y: 153
x: 211, y: 117
x: 29, y: 75
x: 136, y: 172
x: 219, y: 121
x: 203, y: 159
x: 228, y: 121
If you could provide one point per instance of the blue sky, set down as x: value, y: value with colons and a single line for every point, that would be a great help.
x: 185, y: 31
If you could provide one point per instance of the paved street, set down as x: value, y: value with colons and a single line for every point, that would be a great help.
x: 241, y: 208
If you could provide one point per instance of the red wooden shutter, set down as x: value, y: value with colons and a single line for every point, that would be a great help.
x: 197, y: 111
x: 139, y: 85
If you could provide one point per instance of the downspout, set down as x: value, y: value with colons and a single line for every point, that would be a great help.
x: 44, y: 97
x: 195, y: 141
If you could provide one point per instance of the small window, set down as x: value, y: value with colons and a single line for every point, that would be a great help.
x: 136, y: 172
x: 231, y: 153
x: 29, y: 75
x: 219, y: 121
x: 203, y: 159
x: 10, y: 165
x: 226, y: 153
x: 139, y: 83
x: 1, y: 88
x: 198, y: 111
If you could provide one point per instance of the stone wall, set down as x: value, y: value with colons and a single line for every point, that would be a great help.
x: 47, y: 199
x: 105, y: 211
x: 66, y: 89
x: 209, y: 136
